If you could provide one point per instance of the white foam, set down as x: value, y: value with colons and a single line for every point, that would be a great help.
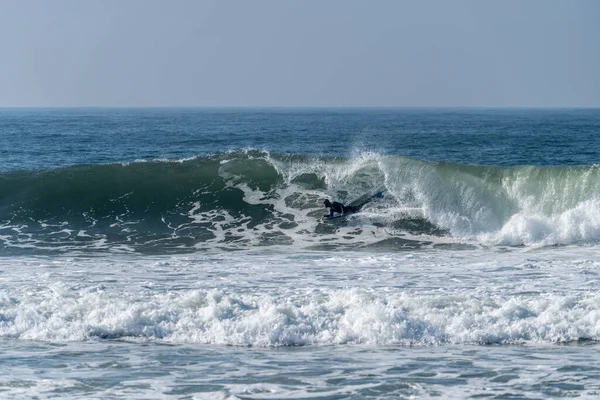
x: 253, y: 300
x: 332, y: 317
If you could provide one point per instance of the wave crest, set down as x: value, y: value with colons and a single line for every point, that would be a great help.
x: 249, y: 198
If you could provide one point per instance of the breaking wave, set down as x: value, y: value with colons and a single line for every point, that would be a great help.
x: 247, y: 198
x: 324, y: 318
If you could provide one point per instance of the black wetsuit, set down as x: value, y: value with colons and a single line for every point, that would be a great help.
x: 341, y: 209
x: 336, y: 207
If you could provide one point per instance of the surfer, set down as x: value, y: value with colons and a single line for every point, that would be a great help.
x: 338, y: 208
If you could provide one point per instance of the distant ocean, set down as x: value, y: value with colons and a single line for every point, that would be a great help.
x: 179, y: 253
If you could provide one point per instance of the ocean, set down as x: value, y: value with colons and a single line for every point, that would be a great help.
x: 180, y: 253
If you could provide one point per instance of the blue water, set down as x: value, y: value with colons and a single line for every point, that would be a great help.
x: 49, y: 138
x: 180, y: 253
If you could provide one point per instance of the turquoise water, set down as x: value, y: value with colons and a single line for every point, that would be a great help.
x: 179, y: 253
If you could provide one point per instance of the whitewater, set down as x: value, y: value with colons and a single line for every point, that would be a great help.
x: 179, y: 253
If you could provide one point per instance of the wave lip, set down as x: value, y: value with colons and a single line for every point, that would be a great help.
x: 249, y: 198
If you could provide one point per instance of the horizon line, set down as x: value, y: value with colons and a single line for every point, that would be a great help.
x: 290, y: 107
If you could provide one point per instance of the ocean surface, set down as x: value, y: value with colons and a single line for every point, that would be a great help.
x: 180, y: 254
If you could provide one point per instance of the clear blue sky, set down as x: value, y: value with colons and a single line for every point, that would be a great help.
x: 541, y: 53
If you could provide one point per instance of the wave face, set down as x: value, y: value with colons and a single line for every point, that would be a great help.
x: 242, y: 199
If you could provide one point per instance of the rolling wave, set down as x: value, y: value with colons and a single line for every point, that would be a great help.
x: 252, y: 198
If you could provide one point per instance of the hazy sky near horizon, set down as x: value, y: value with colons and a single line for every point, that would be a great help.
x: 535, y: 53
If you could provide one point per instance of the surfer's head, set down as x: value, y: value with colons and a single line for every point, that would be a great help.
x: 327, y: 203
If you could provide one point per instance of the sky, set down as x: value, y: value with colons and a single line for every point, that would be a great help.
x: 394, y: 53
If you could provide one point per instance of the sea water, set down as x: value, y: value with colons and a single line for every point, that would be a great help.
x: 179, y: 253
